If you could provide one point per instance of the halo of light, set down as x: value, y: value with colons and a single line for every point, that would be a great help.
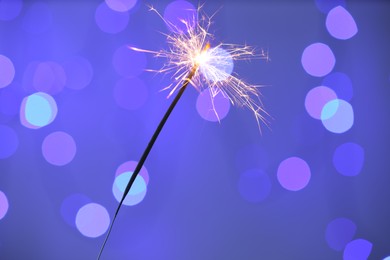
x: 130, y: 167
x: 340, y: 23
x: 254, y: 185
x: 177, y: 12
x: 316, y: 99
x: 252, y: 156
x: 49, y: 77
x: 110, y: 21
x: 70, y: 207
x: 38, y: 110
x: 10, y: 9
x: 325, y: 6
x: 7, y: 71
x: 339, y: 232
x: 92, y: 220
x: 340, y: 83
x: 3, y: 204
x: 130, y: 93
x: 348, y: 159
x: 37, y: 19
x: 318, y: 59
x: 9, y: 141
x: 128, y: 63
x: 293, y: 174
x: 358, y: 249
x: 121, y: 5
x: 78, y: 71
x: 217, y: 64
x: 59, y: 148
x: 137, y: 192
x: 212, y: 109
x: 386, y: 258
x: 337, y: 116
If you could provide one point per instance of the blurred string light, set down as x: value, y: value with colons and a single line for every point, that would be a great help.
x: 339, y: 232
x: 358, y: 249
x: 348, y: 159
x: 92, y: 220
x: 7, y: 71
x: 340, y: 23
x: 3, y: 205
x: 109, y: 20
x: 78, y: 71
x: 59, y: 148
x: 293, y: 174
x: 121, y: 5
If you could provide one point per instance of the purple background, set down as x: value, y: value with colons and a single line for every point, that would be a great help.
x: 213, y: 191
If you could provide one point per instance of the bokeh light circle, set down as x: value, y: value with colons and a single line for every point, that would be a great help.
x: 216, y: 65
x: 340, y: 23
x: 38, y: 18
x: 49, y: 77
x: 7, y: 71
x: 9, y: 141
x: 210, y: 108
x: 121, y: 5
x: 70, y: 207
x: 358, y: 249
x: 92, y: 220
x: 38, y: 110
x: 128, y: 63
x: 254, y: 185
x: 59, y: 148
x: 293, y: 174
x: 110, y: 21
x: 316, y: 99
x: 78, y: 71
x: 130, y: 93
x: 340, y: 83
x: 337, y: 116
x: 348, y: 159
x: 10, y: 9
x: 318, y: 59
x: 339, y: 232
x: 3, y: 205
x: 177, y: 12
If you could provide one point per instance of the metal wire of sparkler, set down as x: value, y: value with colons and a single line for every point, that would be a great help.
x: 188, y: 53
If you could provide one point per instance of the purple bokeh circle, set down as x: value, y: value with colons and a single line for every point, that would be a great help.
x: 92, y: 220
x: 78, y: 71
x: 340, y: 83
x: 358, y: 249
x: 7, y: 71
x: 110, y: 21
x: 128, y: 63
x: 9, y: 141
x: 59, y: 148
x: 37, y: 19
x: 318, y: 59
x: 210, y: 108
x: 254, y: 185
x: 49, y: 77
x: 177, y: 12
x: 70, y: 207
x: 3, y: 205
x: 121, y: 5
x: 339, y: 232
x: 316, y: 99
x: 293, y: 174
x: 10, y: 9
x: 340, y: 23
x: 337, y: 116
x: 130, y: 93
x: 348, y: 159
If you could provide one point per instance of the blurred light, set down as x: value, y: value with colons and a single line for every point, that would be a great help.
x: 121, y: 5
x: 130, y: 93
x: 387, y: 258
x: 59, y: 148
x: 326, y: 5
x: 222, y: 61
x: 49, y: 77
x: 339, y: 233
x: 38, y: 110
x: 254, y: 185
x: 340, y: 83
x: 340, y: 23
x: 10, y: 9
x: 252, y: 156
x: 110, y: 21
x: 70, y: 207
x: 78, y: 71
x: 128, y: 63
x: 348, y: 159
x: 318, y: 59
x: 212, y: 111
x: 92, y: 220
x: 7, y: 70
x: 177, y: 12
x: 37, y: 19
x: 337, y: 116
x: 316, y: 99
x: 3, y: 202
x: 293, y: 174
x: 130, y: 167
x: 358, y: 249
x: 8, y: 141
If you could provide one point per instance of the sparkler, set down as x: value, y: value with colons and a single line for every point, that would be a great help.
x: 193, y: 61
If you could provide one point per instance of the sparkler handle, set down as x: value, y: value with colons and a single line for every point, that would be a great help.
x: 148, y: 149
